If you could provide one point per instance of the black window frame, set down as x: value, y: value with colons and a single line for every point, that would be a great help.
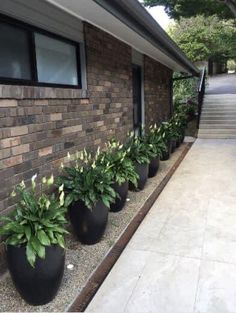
x: 30, y: 31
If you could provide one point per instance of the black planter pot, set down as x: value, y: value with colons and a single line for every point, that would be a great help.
x: 178, y: 143
x: 166, y: 155
x: 142, y: 171
x: 173, y: 146
x: 122, y: 190
x: 37, y: 285
x: 89, y: 225
x: 153, y: 167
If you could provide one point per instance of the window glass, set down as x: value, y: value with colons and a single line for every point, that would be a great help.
x: 56, y: 61
x: 14, y: 53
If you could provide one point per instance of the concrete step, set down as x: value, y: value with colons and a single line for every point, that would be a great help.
x: 217, y: 131
x: 218, y: 118
x: 216, y: 136
x: 216, y: 126
x: 215, y: 121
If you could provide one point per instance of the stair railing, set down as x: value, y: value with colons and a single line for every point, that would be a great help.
x: 201, y: 93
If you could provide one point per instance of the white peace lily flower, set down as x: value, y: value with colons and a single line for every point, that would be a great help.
x: 22, y: 184
x: 62, y: 198
x: 50, y: 180
x: 61, y: 188
x: 62, y: 165
x: 33, y: 178
x: 48, y: 204
x: 68, y: 155
x: 13, y: 194
x: 44, y: 180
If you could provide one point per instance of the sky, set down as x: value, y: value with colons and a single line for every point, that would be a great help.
x: 160, y: 16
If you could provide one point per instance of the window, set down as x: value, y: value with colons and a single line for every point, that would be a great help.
x: 35, y: 57
x: 14, y: 53
x: 56, y: 61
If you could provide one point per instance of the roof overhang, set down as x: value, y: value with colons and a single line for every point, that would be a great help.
x: 129, y: 22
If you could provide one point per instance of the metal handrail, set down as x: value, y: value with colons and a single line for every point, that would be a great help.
x: 201, y: 93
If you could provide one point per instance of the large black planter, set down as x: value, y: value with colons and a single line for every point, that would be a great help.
x: 173, y: 146
x: 166, y: 155
x: 178, y: 143
x: 89, y: 225
x: 122, y: 191
x: 142, y: 171
x: 37, y: 285
x: 153, y: 167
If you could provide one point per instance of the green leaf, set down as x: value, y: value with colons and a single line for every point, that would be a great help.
x: 27, y: 232
x: 60, y: 240
x: 43, y: 238
x: 30, y: 254
x: 38, y: 247
x: 105, y: 201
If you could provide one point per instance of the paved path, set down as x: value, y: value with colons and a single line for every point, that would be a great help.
x: 222, y: 84
x: 182, y: 259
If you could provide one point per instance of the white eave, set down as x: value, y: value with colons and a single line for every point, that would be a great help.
x: 95, y: 14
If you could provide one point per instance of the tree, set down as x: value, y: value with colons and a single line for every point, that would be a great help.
x: 204, y: 38
x: 224, y: 9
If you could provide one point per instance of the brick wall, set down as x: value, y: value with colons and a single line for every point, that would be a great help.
x: 157, y: 86
x: 40, y: 125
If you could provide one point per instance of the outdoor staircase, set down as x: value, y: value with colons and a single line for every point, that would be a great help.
x: 218, y: 118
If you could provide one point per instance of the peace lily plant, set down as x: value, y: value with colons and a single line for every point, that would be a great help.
x: 38, y: 220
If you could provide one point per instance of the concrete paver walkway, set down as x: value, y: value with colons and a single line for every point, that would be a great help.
x: 182, y: 259
x: 222, y: 84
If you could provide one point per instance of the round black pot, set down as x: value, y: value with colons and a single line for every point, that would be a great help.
x: 122, y: 191
x: 153, y: 166
x: 178, y: 143
x: 173, y: 146
x: 37, y: 285
x: 142, y: 171
x: 89, y: 225
x: 166, y: 155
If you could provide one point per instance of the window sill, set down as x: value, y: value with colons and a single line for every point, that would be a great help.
x: 35, y: 92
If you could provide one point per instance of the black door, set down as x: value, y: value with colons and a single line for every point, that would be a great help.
x: 137, y: 98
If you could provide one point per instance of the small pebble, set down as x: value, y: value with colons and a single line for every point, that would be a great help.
x: 70, y: 266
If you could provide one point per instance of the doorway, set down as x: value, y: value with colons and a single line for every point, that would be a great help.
x: 137, y: 98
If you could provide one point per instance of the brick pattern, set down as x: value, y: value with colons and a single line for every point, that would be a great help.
x: 40, y: 125
x: 110, y: 84
x: 157, y: 86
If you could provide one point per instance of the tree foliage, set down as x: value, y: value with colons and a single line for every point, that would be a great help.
x: 176, y: 9
x: 204, y: 38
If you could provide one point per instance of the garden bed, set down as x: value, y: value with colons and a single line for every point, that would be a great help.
x: 82, y: 261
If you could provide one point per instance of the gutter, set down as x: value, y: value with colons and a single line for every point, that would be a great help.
x: 132, y: 13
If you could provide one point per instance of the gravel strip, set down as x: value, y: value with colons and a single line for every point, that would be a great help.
x: 84, y: 258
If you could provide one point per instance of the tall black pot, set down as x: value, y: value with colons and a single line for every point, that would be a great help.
x: 166, y: 155
x: 142, y: 171
x: 89, y: 225
x: 122, y: 191
x: 173, y: 145
x: 37, y: 285
x: 178, y: 143
x: 153, y: 166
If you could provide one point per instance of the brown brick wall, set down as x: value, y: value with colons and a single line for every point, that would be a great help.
x: 39, y: 125
x: 157, y: 86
